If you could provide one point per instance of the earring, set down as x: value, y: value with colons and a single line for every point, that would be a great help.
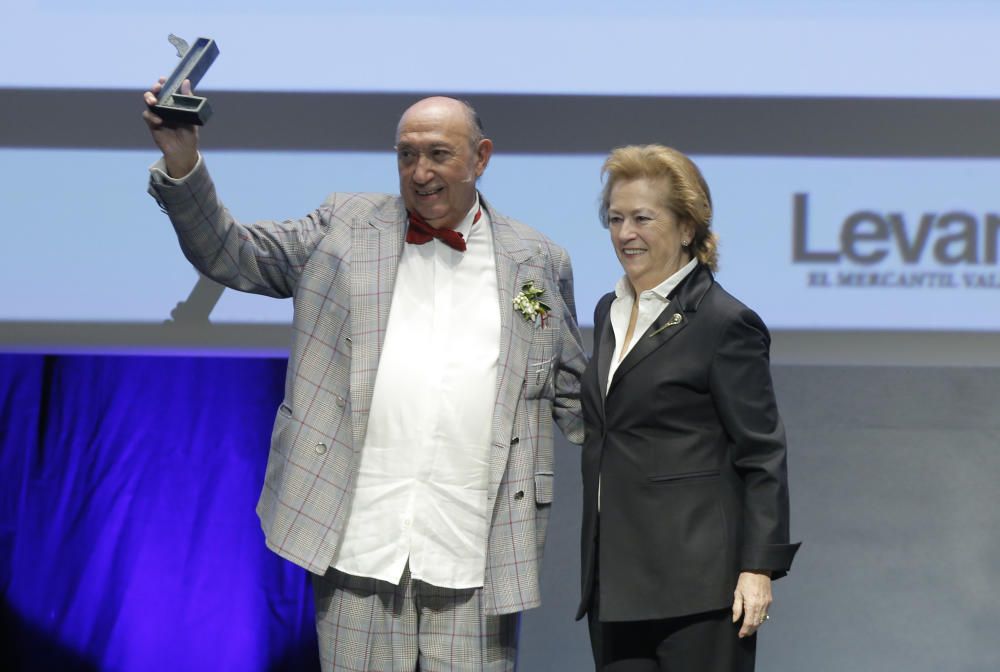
x: 684, y: 243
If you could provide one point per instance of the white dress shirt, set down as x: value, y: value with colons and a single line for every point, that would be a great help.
x: 424, y: 471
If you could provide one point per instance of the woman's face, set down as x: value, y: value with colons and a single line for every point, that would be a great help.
x: 646, y: 234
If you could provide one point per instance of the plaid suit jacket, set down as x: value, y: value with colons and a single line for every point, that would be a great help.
x: 338, y: 264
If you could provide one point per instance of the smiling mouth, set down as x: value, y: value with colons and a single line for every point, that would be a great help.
x: 630, y: 252
x: 429, y: 192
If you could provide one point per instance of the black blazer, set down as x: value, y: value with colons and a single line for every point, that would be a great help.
x: 691, y: 454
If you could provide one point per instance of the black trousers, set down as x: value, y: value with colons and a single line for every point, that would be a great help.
x: 705, y: 642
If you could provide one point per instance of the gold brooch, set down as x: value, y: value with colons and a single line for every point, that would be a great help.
x: 674, y: 320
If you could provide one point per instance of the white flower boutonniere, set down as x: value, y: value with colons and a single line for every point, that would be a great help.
x: 528, y: 303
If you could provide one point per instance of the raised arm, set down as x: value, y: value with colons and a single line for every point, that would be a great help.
x: 264, y: 257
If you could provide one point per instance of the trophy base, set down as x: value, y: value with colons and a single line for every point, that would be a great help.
x: 181, y: 109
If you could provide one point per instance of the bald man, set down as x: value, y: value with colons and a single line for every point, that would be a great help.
x: 434, y: 345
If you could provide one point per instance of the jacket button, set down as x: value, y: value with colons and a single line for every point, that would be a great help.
x: 519, y: 494
x: 340, y: 401
x: 514, y: 441
x: 320, y: 448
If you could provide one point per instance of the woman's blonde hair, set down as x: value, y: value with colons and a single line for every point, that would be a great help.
x: 687, y: 196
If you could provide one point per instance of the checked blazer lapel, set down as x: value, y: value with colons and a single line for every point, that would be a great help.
x: 376, y: 248
x: 511, y: 253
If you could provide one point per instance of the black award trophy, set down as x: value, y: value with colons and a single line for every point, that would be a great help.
x: 174, y: 107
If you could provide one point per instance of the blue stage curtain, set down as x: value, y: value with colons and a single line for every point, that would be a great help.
x: 128, y: 539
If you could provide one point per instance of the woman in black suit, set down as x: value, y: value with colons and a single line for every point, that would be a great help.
x: 685, y: 517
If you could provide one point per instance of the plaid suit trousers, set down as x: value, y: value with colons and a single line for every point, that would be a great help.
x: 370, y: 625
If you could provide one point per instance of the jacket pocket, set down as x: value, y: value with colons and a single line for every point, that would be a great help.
x: 543, y: 488
x: 279, y: 433
x: 689, y: 476
x: 537, y: 379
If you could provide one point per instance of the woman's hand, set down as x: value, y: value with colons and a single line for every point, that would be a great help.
x: 751, y: 600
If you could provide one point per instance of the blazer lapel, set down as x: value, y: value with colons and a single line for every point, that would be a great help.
x: 605, y: 350
x: 667, y: 325
x: 672, y: 321
x: 511, y: 253
x: 376, y: 247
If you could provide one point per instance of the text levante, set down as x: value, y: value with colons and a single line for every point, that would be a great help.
x: 869, y: 237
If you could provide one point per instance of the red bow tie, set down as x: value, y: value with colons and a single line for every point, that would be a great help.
x: 420, y: 232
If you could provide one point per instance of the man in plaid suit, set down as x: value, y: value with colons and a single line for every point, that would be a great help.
x: 434, y: 343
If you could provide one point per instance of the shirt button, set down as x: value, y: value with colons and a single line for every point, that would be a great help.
x: 407, y: 522
x: 320, y: 448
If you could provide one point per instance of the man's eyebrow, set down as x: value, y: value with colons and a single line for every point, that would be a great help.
x: 429, y: 143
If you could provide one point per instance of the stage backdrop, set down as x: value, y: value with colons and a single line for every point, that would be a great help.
x: 853, y: 152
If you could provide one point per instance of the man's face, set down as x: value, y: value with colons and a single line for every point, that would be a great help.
x: 438, y: 165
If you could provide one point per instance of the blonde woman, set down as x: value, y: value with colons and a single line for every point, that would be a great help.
x: 685, y: 521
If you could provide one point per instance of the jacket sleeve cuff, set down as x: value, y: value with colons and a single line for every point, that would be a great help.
x: 168, y: 191
x: 158, y: 173
x: 774, y: 557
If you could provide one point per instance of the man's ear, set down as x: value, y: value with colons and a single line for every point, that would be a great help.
x: 483, y: 153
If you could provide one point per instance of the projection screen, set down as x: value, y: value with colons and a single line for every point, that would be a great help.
x: 852, y: 153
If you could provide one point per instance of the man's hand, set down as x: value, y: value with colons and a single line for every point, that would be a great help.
x: 179, y: 143
x: 751, y: 599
